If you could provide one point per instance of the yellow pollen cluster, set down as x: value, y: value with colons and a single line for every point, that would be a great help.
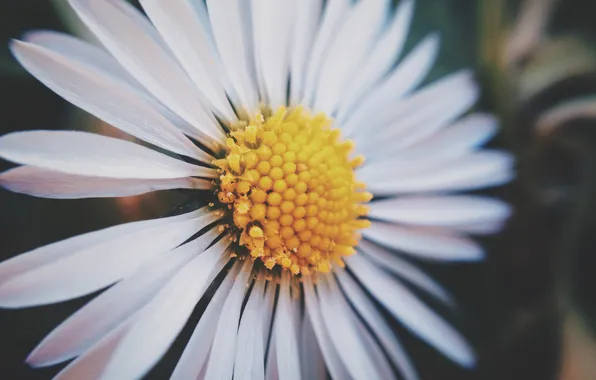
x: 289, y: 183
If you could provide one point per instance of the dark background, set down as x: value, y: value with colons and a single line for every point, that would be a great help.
x: 509, y: 304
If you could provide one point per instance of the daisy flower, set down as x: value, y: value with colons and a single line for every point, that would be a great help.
x: 319, y: 159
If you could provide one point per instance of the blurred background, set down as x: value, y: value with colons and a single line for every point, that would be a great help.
x: 529, y: 310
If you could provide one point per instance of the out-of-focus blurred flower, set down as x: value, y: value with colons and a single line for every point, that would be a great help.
x: 278, y: 96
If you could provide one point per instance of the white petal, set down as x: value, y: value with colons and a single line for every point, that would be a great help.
x: 378, y: 324
x: 393, y: 263
x: 97, y: 59
x: 230, y: 20
x: 422, y: 115
x: 484, y: 228
x: 249, y: 362
x: 402, y: 80
x: 180, y: 25
x: 440, y: 211
x: 337, y: 369
x: 52, y: 252
x: 381, y: 58
x: 416, y: 316
x: 272, y: 370
x: 195, y: 355
x: 313, y: 364
x: 286, y: 342
x: 308, y: 13
x: 347, y: 52
x: 104, y: 96
x: 135, y: 43
x: 471, y: 172
x: 340, y: 324
x: 273, y: 23
x: 221, y: 360
x: 372, y: 347
x: 103, y: 314
x: 164, y: 316
x: 464, y: 135
x: 51, y: 184
x: 93, y: 155
x: 334, y: 16
x: 91, y: 364
x: 427, y: 244
x: 96, y: 266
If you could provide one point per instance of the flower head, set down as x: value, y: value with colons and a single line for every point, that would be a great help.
x: 317, y: 159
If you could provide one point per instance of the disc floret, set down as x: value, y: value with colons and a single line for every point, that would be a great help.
x: 288, y: 181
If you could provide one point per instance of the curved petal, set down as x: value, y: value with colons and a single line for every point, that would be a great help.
x: 98, y: 265
x: 180, y: 25
x: 334, y: 16
x: 230, y: 22
x: 286, y: 342
x: 350, y: 46
x: 394, y: 263
x: 249, y: 362
x: 381, y: 58
x: 313, y: 364
x: 273, y: 24
x: 52, y: 184
x: 470, y: 172
x: 89, y: 154
x: 424, y: 243
x: 106, y: 312
x: 135, y: 43
x: 337, y: 369
x: 402, y: 80
x: 164, y: 316
x: 196, y: 353
x: 416, y: 316
x: 370, y: 313
x: 104, y: 96
x: 440, y: 211
x: 221, y: 359
x: 308, y: 14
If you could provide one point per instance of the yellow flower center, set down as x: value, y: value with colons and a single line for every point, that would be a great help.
x: 288, y: 181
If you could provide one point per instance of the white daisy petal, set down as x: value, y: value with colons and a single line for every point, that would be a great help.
x: 423, y: 243
x: 313, y: 364
x: 340, y: 323
x: 471, y: 172
x: 370, y: 313
x: 135, y: 43
x: 96, y: 266
x: 51, y: 184
x: 393, y: 263
x: 106, y: 312
x: 440, y: 211
x: 462, y: 136
x: 381, y: 58
x: 407, y: 124
x: 164, y: 316
x: 401, y: 81
x: 89, y: 154
x: 180, y: 25
x: 230, y: 20
x: 250, y: 353
x: 196, y: 353
x: 286, y: 342
x: 91, y: 364
x: 416, y: 316
x: 221, y: 360
x: 352, y: 42
x: 334, y: 16
x: 52, y: 252
x: 273, y: 23
x: 378, y: 357
x: 272, y: 370
x: 105, y: 97
x: 308, y: 13
x: 334, y: 363
x: 484, y: 228
x: 98, y: 60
